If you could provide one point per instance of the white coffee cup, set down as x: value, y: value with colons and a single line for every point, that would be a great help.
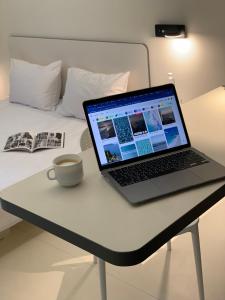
x: 67, y: 170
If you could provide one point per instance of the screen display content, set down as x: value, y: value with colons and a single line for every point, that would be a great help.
x: 136, y: 125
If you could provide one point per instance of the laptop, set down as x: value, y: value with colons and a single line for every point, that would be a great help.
x: 142, y: 145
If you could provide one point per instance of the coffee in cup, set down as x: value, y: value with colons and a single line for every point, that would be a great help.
x: 67, y: 170
x: 67, y: 162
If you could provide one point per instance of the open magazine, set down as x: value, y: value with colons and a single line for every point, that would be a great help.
x: 26, y: 141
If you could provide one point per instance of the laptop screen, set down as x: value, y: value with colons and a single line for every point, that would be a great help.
x: 135, y: 125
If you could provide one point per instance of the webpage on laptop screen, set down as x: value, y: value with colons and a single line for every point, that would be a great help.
x: 137, y: 125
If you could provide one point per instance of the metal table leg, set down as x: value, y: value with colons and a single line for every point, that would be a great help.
x: 198, y: 261
x: 102, y: 277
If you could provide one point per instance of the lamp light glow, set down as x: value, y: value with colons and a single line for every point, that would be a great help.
x: 181, y: 46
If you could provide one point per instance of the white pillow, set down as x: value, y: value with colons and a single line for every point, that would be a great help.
x: 35, y: 85
x: 85, y: 85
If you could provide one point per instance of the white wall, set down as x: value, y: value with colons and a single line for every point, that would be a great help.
x: 3, y: 55
x: 197, y: 69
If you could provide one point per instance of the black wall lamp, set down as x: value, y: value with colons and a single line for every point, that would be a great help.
x: 170, y: 31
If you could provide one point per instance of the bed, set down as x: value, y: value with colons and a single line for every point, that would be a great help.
x: 96, y: 56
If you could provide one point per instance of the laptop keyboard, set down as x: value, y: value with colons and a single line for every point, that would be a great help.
x: 157, y: 167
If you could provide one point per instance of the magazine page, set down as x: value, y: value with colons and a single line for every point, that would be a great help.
x: 49, y: 140
x: 20, y: 141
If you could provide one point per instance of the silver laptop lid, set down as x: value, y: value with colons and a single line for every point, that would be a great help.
x: 133, y: 126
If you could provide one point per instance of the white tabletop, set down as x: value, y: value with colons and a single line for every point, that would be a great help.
x: 95, y: 217
x: 205, y: 120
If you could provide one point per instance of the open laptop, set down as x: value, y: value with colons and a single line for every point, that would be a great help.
x: 142, y: 145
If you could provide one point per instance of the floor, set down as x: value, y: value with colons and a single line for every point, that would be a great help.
x: 35, y: 265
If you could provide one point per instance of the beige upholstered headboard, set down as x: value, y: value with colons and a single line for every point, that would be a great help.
x: 95, y: 56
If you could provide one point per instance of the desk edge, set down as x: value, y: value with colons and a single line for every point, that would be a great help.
x: 117, y: 258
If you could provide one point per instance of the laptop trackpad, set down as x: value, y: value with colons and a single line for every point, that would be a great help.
x: 141, y: 191
x: 178, y: 180
x: 159, y: 186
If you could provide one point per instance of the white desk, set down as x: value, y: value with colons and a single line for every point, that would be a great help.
x: 96, y: 218
x: 205, y: 120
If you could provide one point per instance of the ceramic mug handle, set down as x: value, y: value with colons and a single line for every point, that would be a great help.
x: 49, y: 174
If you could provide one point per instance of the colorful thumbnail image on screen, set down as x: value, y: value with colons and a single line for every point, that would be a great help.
x: 144, y: 147
x: 138, y: 124
x: 106, y: 129
x: 153, y: 120
x: 172, y: 137
x: 112, y: 153
x: 159, y: 142
x: 129, y: 151
x: 123, y: 130
x: 166, y: 114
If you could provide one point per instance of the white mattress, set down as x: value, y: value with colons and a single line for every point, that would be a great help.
x: 15, y: 166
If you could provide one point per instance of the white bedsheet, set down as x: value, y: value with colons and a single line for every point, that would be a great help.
x: 14, y: 118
